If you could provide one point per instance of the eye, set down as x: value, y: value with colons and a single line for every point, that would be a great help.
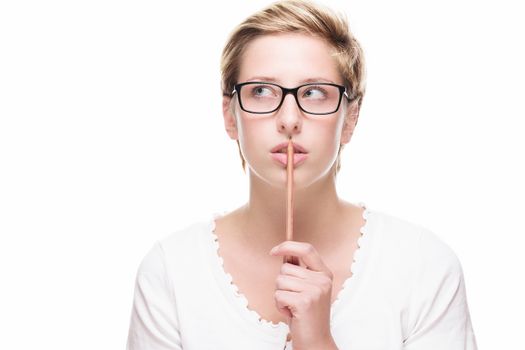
x: 263, y: 91
x: 314, y: 92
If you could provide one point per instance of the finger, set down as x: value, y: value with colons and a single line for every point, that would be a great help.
x: 294, y: 270
x: 291, y: 283
x: 305, y: 251
x: 284, y: 301
x: 310, y: 276
x: 315, y: 288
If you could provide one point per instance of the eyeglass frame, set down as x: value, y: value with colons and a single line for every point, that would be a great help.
x: 285, y: 91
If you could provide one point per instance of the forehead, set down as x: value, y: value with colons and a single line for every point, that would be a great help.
x: 289, y: 59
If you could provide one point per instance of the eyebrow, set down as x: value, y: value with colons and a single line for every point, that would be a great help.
x: 274, y: 80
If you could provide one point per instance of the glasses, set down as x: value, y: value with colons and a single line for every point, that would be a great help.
x: 313, y: 98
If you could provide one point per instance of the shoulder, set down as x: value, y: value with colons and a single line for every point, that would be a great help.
x: 402, y: 236
x: 175, y: 248
x: 405, y: 250
x: 185, y: 237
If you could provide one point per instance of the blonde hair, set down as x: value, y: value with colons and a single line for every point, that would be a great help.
x: 304, y: 17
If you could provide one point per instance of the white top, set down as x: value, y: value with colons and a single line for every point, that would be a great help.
x: 406, y: 292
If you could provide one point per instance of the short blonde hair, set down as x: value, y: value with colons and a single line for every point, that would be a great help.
x: 297, y: 16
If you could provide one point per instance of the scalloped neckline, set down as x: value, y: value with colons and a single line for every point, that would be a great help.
x: 242, y: 301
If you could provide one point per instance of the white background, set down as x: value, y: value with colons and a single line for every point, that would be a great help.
x: 111, y: 137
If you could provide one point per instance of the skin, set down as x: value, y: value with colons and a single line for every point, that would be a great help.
x: 320, y: 217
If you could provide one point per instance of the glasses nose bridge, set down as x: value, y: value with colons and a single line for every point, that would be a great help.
x: 289, y: 120
x: 292, y: 91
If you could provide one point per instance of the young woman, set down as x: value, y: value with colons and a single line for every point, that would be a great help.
x: 365, y: 279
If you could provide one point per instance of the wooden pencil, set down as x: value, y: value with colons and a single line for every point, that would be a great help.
x: 289, y: 200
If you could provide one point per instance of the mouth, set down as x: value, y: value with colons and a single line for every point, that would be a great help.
x: 280, y: 154
x: 283, y: 148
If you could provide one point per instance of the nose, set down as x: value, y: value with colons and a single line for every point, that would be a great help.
x: 289, y: 119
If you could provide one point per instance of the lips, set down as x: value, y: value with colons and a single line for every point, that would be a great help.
x: 280, y: 153
x: 282, y: 158
x: 283, y: 148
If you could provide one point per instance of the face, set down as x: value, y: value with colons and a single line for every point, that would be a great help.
x: 289, y: 60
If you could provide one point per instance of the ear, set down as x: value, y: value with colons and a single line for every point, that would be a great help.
x: 351, y: 117
x: 230, y: 123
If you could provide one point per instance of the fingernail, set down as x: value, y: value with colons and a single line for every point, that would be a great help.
x: 274, y: 249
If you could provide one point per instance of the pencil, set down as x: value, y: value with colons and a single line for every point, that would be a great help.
x: 289, y: 200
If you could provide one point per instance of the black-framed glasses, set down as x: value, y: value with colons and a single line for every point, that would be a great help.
x: 312, y: 98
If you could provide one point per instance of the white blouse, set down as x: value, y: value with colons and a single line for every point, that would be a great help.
x: 406, y: 292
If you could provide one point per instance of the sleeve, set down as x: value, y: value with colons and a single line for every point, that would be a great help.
x: 439, y: 317
x: 154, y: 323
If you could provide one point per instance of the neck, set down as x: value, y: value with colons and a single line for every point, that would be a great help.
x: 317, y: 216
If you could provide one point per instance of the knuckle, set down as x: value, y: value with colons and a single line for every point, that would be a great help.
x: 318, y: 292
x: 326, y: 288
x: 279, y: 280
x: 310, y: 249
x: 306, y: 302
x: 327, y: 281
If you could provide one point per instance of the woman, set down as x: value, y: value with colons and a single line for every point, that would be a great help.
x: 365, y: 279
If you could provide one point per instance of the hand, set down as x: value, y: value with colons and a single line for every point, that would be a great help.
x: 303, y: 294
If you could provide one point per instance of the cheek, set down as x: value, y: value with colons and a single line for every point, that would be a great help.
x: 328, y: 134
x: 254, y: 134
